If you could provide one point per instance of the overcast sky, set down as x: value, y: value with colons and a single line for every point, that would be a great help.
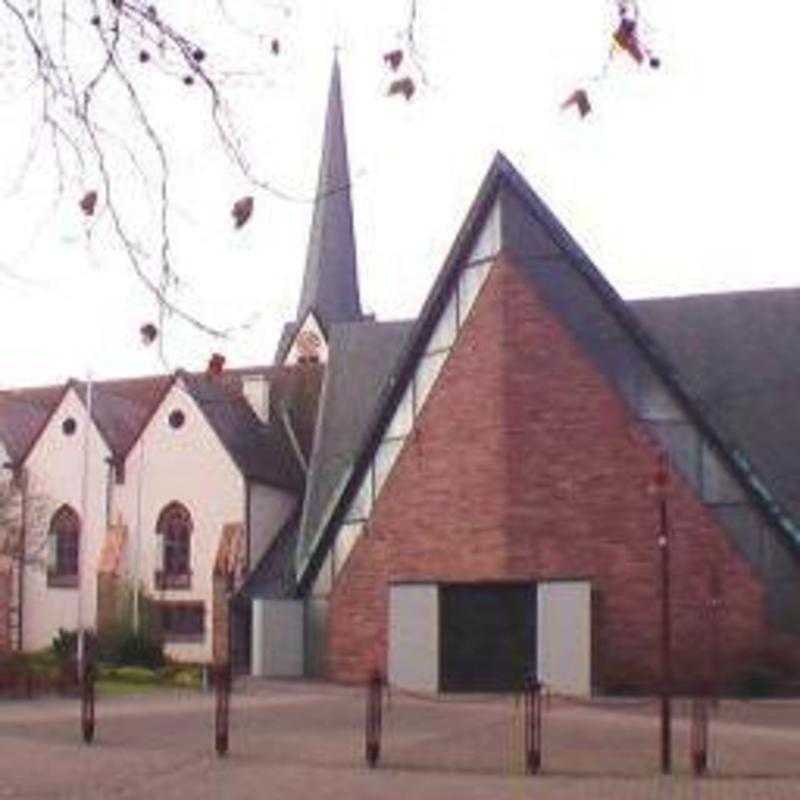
x: 682, y: 180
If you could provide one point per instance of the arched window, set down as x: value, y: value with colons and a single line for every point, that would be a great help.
x: 63, y: 544
x: 174, y: 530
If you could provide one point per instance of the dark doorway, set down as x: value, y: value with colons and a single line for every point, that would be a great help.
x: 487, y: 636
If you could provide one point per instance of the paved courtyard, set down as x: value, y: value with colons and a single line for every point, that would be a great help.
x: 298, y: 740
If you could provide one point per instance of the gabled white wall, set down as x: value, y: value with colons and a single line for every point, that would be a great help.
x: 55, y: 467
x: 189, y: 465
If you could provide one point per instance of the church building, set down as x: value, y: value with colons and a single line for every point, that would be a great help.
x: 496, y: 487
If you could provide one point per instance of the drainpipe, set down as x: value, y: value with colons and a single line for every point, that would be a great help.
x: 138, y: 554
x: 23, y: 544
x: 18, y: 477
x: 84, y: 522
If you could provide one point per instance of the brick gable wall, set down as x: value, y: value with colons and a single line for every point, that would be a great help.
x: 526, y: 464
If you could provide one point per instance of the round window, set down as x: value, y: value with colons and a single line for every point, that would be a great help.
x: 69, y: 426
x: 176, y: 418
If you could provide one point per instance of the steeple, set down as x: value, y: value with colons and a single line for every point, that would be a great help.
x: 330, y: 282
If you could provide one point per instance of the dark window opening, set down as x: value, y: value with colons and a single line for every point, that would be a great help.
x: 176, y: 418
x: 64, y: 545
x: 175, y: 528
x: 69, y: 426
x: 182, y: 622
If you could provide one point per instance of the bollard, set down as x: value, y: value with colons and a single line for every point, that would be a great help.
x: 374, y: 721
x: 532, y: 694
x: 222, y: 686
x: 699, y: 735
x: 87, y: 703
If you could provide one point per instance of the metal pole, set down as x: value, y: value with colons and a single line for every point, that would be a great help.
x: 222, y: 684
x: 699, y: 734
x: 532, y: 703
x: 84, y: 526
x: 666, y: 654
x: 87, y: 702
x: 23, y: 546
x: 374, y: 721
x: 138, y: 553
x: 716, y: 666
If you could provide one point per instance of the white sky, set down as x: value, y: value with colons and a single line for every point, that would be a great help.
x: 682, y: 180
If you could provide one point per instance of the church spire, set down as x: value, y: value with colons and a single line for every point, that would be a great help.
x: 330, y: 282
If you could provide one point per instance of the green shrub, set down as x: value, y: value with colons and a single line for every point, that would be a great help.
x: 137, y: 675
x: 42, y: 661
x: 121, y: 645
x: 65, y: 645
x: 759, y: 681
x: 129, y: 648
x: 185, y: 677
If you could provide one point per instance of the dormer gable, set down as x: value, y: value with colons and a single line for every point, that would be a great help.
x: 309, y: 345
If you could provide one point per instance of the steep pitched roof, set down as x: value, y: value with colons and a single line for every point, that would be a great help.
x: 605, y: 325
x: 122, y: 408
x: 273, y: 577
x: 740, y: 353
x: 262, y: 452
x: 288, y: 332
x: 330, y: 281
x: 361, y: 355
x: 23, y: 415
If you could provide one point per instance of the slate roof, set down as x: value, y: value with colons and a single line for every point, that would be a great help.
x: 262, y: 452
x: 23, y: 414
x: 122, y: 408
x: 360, y: 359
x: 330, y: 282
x: 285, y: 340
x: 274, y: 577
x: 740, y: 353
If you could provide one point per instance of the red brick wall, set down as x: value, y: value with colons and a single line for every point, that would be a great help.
x: 526, y: 464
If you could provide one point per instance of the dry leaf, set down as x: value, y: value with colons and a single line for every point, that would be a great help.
x: 394, y: 59
x: 149, y: 333
x: 580, y: 99
x: 88, y: 202
x: 241, y: 211
x: 625, y: 37
x: 404, y: 86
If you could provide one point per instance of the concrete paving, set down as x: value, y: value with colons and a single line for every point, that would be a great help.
x: 305, y: 740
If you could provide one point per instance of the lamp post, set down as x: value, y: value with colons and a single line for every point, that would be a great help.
x: 660, y: 484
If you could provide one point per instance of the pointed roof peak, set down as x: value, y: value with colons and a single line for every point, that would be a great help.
x: 330, y: 282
